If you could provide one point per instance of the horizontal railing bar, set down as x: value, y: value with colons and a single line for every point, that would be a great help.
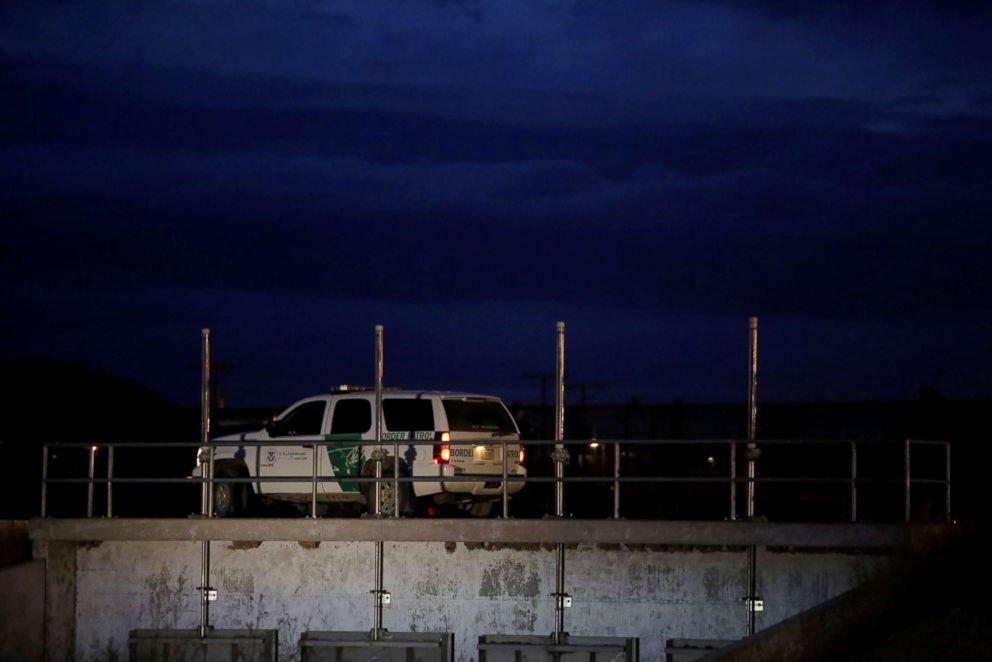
x: 493, y: 442
x: 502, y: 480
x: 475, y: 478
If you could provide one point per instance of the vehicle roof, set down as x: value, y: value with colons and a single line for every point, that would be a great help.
x: 413, y: 393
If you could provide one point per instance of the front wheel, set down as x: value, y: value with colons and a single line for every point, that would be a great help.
x: 231, y: 499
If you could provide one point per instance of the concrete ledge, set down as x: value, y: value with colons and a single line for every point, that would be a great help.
x: 610, y: 532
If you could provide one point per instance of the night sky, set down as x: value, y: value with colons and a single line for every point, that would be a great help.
x: 468, y: 173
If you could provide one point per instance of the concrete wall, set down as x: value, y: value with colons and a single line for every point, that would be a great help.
x: 468, y: 589
x: 22, y: 611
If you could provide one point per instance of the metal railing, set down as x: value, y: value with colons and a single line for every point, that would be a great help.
x: 615, y: 478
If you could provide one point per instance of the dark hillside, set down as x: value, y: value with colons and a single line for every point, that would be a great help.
x: 47, y: 401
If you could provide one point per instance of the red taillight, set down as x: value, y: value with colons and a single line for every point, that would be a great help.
x: 442, y: 451
x: 521, y: 455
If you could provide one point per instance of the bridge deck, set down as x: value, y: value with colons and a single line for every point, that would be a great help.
x: 549, y: 531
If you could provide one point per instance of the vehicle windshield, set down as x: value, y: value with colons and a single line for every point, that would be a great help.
x: 465, y: 415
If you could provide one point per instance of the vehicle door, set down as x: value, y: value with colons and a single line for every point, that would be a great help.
x: 409, y: 429
x: 293, y: 436
x: 351, y: 421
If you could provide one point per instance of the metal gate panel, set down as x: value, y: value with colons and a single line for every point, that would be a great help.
x: 687, y: 650
x: 521, y: 648
x: 393, y: 647
x: 217, y: 646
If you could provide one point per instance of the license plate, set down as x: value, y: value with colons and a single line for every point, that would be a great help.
x: 486, y: 453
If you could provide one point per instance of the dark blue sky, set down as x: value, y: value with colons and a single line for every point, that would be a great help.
x: 467, y: 173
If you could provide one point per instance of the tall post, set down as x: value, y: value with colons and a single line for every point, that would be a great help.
x: 616, y: 480
x: 753, y: 453
x: 378, y: 594
x: 733, y: 481
x: 207, y: 470
x: 314, y: 450
x: 907, y: 483
x: 560, y: 457
x: 44, y: 480
x: 752, y: 414
x: 506, y: 498
x: 854, y: 481
x: 947, y: 482
x: 89, y: 483
x: 110, y: 481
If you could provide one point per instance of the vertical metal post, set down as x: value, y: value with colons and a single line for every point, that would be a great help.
x: 313, y: 483
x: 752, y: 455
x: 210, y: 481
x: 89, y: 483
x: 110, y: 481
x: 752, y: 599
x: 208, y: 490
x: 396, y: 445
x: 44, y: 480
x: 906, y: 479
x: 506, y: 497
x: 752, y: 413
x: 378, y: 418
x: 733, y: 481
x: 396, y: 479
x: 560, y: 457
x: 377, y: 592
x: 947, y: 482
x: 616, y: 480
x: 854, y: 481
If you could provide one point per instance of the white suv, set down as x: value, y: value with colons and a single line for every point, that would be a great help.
x: 439, y: 435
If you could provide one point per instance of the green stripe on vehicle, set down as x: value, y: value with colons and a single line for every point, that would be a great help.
x: 345, y: 460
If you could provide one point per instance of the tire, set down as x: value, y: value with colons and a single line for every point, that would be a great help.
x: 387, y: 503
x: 481, y: 509
x: 231, y: 499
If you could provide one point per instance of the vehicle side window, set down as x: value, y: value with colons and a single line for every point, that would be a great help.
x: 351, y: 416
x: 408, y: 415
x: 306, y: 419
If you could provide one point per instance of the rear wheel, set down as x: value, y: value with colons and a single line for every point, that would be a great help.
x: 387, y: 495
x: 481, y: 509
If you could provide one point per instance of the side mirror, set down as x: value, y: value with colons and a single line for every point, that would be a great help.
x: 272, y: 428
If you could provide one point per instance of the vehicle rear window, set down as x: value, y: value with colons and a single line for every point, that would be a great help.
x: 407, y: 415
x: 478, y: 416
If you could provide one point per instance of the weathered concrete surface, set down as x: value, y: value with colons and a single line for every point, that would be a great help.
x: 469, y: 590
x: 930, y: 602
x: 568, y: 531
x: 22, y: 611
x: 14, y: 544
x: 60, y: 597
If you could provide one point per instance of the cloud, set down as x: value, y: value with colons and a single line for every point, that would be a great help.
x: 635, y: 52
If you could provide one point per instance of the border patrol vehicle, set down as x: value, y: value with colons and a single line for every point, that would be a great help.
x: 439, y: 435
